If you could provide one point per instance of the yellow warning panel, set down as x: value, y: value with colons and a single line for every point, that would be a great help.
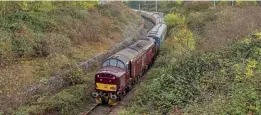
x: 106, y: 87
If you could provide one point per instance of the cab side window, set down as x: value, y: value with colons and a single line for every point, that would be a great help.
x: 127, y: 67
x: 120, y: 64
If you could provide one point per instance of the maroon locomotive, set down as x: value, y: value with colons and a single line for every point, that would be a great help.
x: 122, y: 70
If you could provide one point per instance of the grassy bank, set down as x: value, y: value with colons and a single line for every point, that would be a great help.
x: 209, y: 64
x: 40, y: 39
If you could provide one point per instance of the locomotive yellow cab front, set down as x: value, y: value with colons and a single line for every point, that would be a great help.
x: 106, y: 87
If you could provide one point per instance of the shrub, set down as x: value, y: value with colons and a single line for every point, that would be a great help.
x: 76, y: 75
x: 245, y: 3
x: 85, y: 4
x: 221, y: 82
x: 174, y: 20
x: 41, y: 46
x: 51, y: 43
x: 197, y: 6
x: 6, y: 53
x: 197, y: 20
x: 59, y: 43
x: 34, y: 21
x: 42, y: 6
x: 22, y: 46
x: 185, y: 39
x: 61, y: 102
x: 218, y: 28
x: 72, y: 12
x: 224, y: 3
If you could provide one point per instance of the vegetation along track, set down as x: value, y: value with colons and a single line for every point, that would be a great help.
x: 127, y: 98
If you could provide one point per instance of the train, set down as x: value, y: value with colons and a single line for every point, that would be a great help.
x: 121, y: 71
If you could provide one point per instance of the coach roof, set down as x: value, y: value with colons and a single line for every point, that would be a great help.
x: 131, y: 52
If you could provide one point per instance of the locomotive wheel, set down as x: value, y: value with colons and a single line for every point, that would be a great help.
x: 129, y: 87
x: 120, y: 97
x: 142, y: 73
x: 124, y: 93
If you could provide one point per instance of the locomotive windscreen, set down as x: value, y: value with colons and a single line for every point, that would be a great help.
x: 113, y: 62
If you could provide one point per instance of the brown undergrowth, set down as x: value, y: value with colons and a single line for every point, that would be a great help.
x: 217, y: 28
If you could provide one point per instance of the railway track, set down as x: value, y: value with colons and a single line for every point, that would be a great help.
x: 100, y: 109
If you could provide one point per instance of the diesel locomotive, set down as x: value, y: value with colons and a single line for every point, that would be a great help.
x: 121, y: 71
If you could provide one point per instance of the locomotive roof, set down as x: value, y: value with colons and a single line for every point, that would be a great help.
x: 118, y: 72
x: 132, y: 51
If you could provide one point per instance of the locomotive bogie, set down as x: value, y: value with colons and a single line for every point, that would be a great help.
x: 106, y: 98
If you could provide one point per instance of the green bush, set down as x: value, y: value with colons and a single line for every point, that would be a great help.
x: 34, y: 21
x: 6, y: 53
x: 174, y: 20
x: 85, y: 4
x: 224, y: 3
x: 42, y: 47
x: 197, y: 20
x: 52, y: 43
x: 197, y: 5
x: 72, y: 12
x: 68, y: 101
x: 245, y: 3
x: 199, y: 82
x: 41, y: 6
x: 22, y: 46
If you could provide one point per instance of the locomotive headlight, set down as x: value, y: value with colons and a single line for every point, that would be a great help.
x: 95, y: 94
x: 113, y: 96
